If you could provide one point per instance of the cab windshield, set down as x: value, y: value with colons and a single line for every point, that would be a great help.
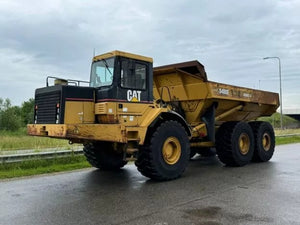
x: 102, y: 72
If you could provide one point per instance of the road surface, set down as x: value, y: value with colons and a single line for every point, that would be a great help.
x: 207, y: 194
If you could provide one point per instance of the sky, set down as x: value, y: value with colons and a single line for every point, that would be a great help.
x: 230, y: 38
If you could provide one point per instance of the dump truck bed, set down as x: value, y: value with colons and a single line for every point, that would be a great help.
x: 185, y: 86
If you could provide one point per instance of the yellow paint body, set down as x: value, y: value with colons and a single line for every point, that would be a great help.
x: 185, y: 84
x: 114, y: 124
x: 79, y: 112
x: 123, y: 54
x: 195, y: 94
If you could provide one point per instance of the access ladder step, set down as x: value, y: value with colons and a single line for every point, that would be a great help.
x: 131, y: 150
x: 131, y: 159
x: 133, y: 139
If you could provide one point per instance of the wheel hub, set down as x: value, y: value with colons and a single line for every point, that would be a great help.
x: 266, y: 142
x: 171, y: 150
x: 244, y: 143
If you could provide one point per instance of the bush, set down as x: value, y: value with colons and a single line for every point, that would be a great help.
x: 27, y: 111
x: 12, y: 118
x: 287, y: 121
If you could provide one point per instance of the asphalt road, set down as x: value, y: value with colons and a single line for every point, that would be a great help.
x: 207, y: 194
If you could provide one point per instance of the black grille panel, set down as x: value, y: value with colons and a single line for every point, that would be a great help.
x: 46, y: 107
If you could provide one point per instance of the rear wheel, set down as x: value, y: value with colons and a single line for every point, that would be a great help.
x: 264, y: 141
x: 166, y: 154
x: 235, y: 143
x: 103, y: 156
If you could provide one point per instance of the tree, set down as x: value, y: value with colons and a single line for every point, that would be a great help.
x: 10, y: 119
x: 14, y: 117
x: 27, y: 111
x: 4, y: 104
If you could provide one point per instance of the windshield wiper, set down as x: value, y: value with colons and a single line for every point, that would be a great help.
x: 106, y: 66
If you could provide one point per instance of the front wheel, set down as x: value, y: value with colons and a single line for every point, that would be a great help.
x: 166, y: 155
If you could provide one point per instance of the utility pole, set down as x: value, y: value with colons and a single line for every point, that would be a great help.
x: 279, y: 63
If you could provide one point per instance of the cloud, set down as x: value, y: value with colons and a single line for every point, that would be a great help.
x: 229, y: 37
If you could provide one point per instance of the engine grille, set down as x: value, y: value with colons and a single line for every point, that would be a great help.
x: 47, y: 107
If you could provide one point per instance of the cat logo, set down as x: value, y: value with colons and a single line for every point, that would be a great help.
x: 133, y: 96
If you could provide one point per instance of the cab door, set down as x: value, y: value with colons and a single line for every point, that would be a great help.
x: 134, y: 81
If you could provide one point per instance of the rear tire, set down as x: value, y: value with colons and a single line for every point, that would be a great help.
x: 166, y: 155
x: 264, y: 141
x: 103, y: 156
x: 235, y: 143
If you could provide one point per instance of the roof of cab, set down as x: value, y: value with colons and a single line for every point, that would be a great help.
x: 123, y: 54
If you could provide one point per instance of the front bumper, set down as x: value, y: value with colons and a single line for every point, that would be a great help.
x: 80, y: 132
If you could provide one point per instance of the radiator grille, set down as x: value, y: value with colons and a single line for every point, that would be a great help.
x: 46, y: 107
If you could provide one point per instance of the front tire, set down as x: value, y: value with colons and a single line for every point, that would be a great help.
x: 103, y: 156
x: 235, y: 143
x: 166, y: 155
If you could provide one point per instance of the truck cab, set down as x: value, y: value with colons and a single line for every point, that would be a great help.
x: 122, y: 77
x: 116, y: 78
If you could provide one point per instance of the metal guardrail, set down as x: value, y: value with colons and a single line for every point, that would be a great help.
x: 39, y: 155
x: 287, y: 135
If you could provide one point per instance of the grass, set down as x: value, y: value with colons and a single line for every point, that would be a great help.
x: 287, y: 121
x: 287, y: 140
x: 287, y: 131
x: 42, y: 166
x: 19, y: 140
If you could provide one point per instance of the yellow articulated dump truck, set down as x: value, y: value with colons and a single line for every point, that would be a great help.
x: 158, y: 117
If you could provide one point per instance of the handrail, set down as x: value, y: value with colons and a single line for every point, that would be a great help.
x: 76, y: 82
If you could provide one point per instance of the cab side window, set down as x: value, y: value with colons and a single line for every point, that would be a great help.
x: 133, y: 75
